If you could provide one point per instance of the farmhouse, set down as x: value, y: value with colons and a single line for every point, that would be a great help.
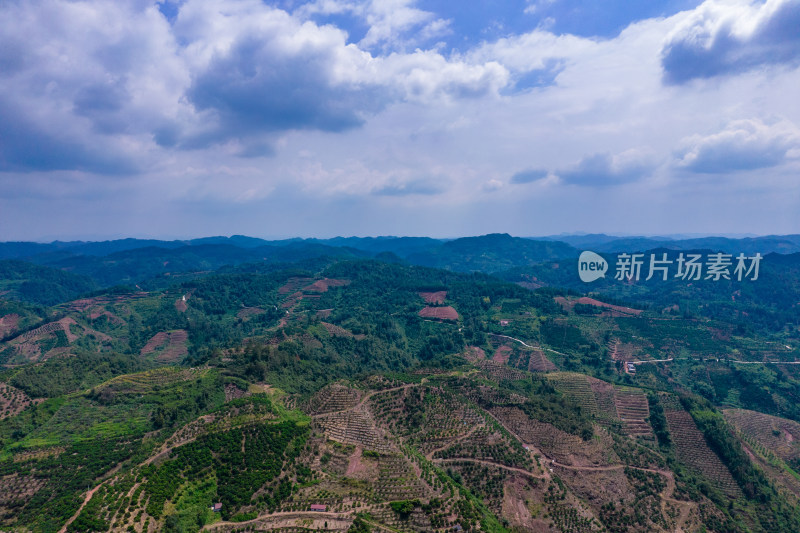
x: 217, y: 507
x: 319, y: 507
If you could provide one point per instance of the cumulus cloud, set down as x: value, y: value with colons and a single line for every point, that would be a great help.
x: 259, y: 70
x: 281, y: 75
x: 529, y: 175
x: 118, y: 80
x: 535, y: 50
x: 604, y: 169
x: 391, y: 24
x: 27, y: 146
x: 721, y: 38
x: 741, y: 145
x: 86, y: 84
x: 390, y: 20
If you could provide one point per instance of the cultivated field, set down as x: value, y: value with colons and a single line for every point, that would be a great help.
x: 441, y: 313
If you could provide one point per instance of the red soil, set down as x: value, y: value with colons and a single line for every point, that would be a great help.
x: 337, y: 331
x: 97, y: 312
x: 85, y: 303
x: 172, y: 345
x: 293, y: 284
x: 434, y: 297
x: 8, y: 324
x: 250, y: 311
x: 626, y: 311
x: 156, y: 341
x: 613, y: 310
x: 442, y: 313
x: 324, y: 284
x: 473, y: 353
x: 71, y: 337
x: 502, y: 354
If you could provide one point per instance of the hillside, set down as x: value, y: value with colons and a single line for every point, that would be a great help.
x: 400, y: 397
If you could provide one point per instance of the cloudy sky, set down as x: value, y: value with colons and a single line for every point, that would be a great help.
x: 398, y: 117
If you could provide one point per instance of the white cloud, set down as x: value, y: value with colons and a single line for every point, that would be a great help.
x: 90, y: 89
x: 742, y: 145
x: 535, y: 5
x: 605, y: 169
x: 113, y: 80
x: 733, y: 36
x: 392, y: 24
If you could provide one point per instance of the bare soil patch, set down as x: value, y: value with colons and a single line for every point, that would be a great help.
x: 232, y: 392
x: 293, y: 284
x: 85, y: 303
x: 359, y: 467
x: 324, y: 284
x: 539, y: 362
x: 441, y: 313
x: 249, y: 311
x: 12, y: 400
x: 97, y: 312
x: 615, y: 311
x: 157, y: 341
x: 8, y: 324
x: 171, y: 344
x: 474, y: 354
x: 501, y: 354
x: 434, y: 297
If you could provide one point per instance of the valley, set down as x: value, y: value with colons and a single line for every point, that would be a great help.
x: 354, y: 394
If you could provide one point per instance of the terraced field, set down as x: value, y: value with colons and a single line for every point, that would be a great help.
x: 633, y: 411
x: 397, y: 479
x: 538, y: 362
x: 694, y: 452
x: 355, y: 427
x: 445, y: 419
x: 563, y: 447
x: 778, y: 435
x: 441, y: 313
x: 577, y: 387
x: 144, y: 381
x: 604, y: 397
x: 169, y: 346
x: 486, y: 443
x: 498, y: 371
x: 12, y: 400
x: 15, y: 489
x: 332, y: 398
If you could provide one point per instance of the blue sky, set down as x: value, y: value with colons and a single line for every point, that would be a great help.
x: 405, y: 117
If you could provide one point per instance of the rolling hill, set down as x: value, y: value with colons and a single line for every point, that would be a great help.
x: 390, y: 396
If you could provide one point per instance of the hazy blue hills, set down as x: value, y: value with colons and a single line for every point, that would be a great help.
x: 598, y: 242
x: 490, y: 253
x: 68, y: 268
x: 42, y: 285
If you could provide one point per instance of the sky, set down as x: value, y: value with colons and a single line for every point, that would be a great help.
x: 177, y: 119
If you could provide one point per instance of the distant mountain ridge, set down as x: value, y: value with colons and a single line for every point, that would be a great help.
x: 160, y: 263
x: 782, y: 244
